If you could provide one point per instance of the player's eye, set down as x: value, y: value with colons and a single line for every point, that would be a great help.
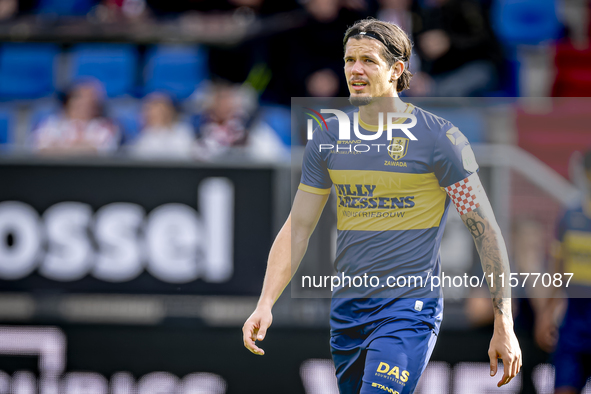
x: 369, y: 61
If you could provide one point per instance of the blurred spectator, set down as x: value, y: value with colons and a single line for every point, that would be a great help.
x: 459, y: 55
x: 81, y: 127
x: 173, y: 8
x: 323, y: 83
x: 163, y: 135
x: 405, y: 14
x: 8, y: 8
x: 308, y: 59
x: 228, y: 121
x: 397, y: 12
x: 572, y: 252
x: 121, y: 11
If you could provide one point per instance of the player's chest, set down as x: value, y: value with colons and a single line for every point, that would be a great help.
x: 400, y: 154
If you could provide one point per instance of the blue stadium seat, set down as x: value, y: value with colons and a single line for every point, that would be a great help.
x: 279, y: 119
x: 114, y: 65
x: 175, y: 69
x: 6, y: 125
x: 65, y: 7
x: 525, y: 21
x: 26, y: 70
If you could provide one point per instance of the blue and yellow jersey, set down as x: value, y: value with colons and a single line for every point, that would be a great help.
x: 573, y: 248
x: 391, y: 211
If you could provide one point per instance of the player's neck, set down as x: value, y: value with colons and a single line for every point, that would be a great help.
x: 369, y: 113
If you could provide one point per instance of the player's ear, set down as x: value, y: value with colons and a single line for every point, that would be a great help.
x: 393, y: 76
x: 399, y: 66
x: 396, y: 70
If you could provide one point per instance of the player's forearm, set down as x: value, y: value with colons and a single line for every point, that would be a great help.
x: 284, y: 259
x: 494, y: 259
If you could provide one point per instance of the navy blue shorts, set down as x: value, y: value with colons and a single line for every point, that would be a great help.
x: 572, y: 361
x: 390, y: 358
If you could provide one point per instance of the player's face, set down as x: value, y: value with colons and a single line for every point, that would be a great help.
x: 367, y: 72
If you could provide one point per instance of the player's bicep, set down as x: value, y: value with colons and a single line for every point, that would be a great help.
x: 472, y: 203
x: 305, y: 212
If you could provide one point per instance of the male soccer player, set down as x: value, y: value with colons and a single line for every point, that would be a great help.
x: 572, y: 357
x: 391, y: 211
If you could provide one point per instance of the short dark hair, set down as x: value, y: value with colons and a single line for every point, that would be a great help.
x: 397, y: 45
x: 587, y: 161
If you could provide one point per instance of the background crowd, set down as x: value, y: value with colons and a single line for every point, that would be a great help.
x: 210, y: 80
x: 189, y: 79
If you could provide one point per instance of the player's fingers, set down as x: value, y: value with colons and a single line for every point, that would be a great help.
x: 517, y: 365
x: 262, y: 332
x: 493, y: 362
x: 247, y: 329
x: 248, y: 338
x: 250, y: 345
x: 507, y: 371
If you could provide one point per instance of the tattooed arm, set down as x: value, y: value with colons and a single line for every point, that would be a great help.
x: 471, y: 201
x: 493, y: 255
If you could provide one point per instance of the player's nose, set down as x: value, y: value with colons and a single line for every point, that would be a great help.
x: 357, y: 68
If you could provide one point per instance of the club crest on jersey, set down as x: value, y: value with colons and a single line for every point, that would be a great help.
x: 398, y: 147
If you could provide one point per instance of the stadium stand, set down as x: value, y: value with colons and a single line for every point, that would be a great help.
x: 525, y: 21
x: 65, y: 7
x: 175, y: 69
x: 115, y: 65
x: 27, y: 70
x: 6, y: 125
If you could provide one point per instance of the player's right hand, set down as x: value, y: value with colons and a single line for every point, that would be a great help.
x: 255, y: 329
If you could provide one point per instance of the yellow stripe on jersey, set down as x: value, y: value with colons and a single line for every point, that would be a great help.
x: 576, y: 252
x: 314, y: 190
x: 383, y: 201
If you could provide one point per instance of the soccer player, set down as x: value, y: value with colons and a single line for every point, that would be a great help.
x: 391, y: 211
x: 572, y: 252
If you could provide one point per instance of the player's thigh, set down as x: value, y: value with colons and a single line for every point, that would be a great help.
x: 349, y: 366
x: 394, y: 364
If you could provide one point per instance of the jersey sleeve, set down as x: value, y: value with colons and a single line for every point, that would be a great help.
x: 559, y: 233
x: 561, y: 227
x: 315, y: 177
x: 453, y: 158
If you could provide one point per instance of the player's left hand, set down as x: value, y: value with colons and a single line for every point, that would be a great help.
x: 504, y: 345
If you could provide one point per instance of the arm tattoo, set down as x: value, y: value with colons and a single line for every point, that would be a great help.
x: 493, y: 255
x: 476, y: 228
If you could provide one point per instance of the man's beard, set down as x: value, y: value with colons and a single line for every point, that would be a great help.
x: 360, y: 101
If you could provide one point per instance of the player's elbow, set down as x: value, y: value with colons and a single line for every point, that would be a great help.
x: 299, y: 232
